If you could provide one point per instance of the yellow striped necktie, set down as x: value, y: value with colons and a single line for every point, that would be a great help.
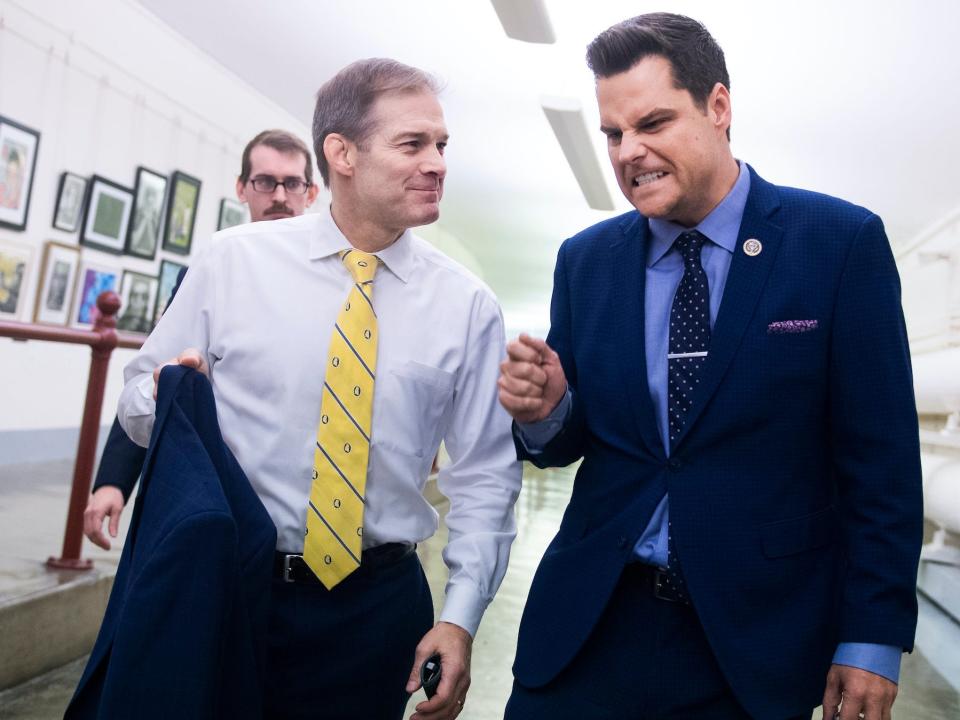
x: 333, y: 541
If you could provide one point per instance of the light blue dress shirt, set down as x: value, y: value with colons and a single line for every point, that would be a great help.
x: 663, y: 274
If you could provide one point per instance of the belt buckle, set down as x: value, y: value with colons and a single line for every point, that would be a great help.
x: 659, y: 577
x: 286, y: 567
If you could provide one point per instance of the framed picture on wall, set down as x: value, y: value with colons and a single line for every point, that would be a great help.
x: 94, y: 278
x: 15, y: 263
x: 167, y: 281
x: 151, y: 191
x: 57, y: 278
x: 181, y: 213
x: 18, y: 161
x: 138, y: 293
x: 71, y: 193
x: 231, y: 213
x: 107, y: 216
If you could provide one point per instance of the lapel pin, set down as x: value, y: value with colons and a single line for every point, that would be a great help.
x: 752, y: 247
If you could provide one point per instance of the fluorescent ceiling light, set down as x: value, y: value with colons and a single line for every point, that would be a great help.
x: 569, y: 125
x: 525, y: 20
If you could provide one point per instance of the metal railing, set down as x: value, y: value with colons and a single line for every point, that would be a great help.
x: 102, y: 339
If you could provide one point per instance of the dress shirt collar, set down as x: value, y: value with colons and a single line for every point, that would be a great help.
x: 721, y: 226
x: 397, y: 257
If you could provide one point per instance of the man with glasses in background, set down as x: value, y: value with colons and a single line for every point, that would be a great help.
x: 276, y: 177
x: 275, y: 181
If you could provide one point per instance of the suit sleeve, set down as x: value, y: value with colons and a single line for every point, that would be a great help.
x: 875, y: 447
x: 567, y: 445
x: 120, y: 463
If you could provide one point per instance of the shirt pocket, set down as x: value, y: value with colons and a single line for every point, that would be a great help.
x: 415, y: 400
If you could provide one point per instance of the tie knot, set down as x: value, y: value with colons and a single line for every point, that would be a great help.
x: 689, y: 244
x: 362, y: 266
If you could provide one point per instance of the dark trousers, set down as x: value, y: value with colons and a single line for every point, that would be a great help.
x: 647, y: 659
x: 346, y: 653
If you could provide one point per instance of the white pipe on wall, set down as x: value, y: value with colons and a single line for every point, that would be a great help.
x: 936, y: 382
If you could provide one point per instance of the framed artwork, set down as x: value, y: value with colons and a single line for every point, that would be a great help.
x: 18, y: 161
x: 15, y: 263
x: 150, y: 192
x: 138, y: 293
x: 71, y: 193
x: 181, y: 213
x: 107, y: 217
x: 58, y: 275
x: 167, y: 281
x: 94, y: 278
x: 231, y: 213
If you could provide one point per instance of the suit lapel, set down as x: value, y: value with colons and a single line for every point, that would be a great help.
x: 745, y: 283
x: 628, y: 278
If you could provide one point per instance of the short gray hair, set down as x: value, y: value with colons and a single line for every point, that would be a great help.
x: 345, y: 101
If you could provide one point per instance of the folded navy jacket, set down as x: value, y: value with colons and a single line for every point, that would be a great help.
x: 184, y: 634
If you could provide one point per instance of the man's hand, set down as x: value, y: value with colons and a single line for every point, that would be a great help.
x: 453, y: 644
x: 531, y: 380
x: 106, y: 502
x: 864, y: 694
x: 191, y: 357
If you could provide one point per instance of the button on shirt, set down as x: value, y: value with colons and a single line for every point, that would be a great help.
x: 261, y: 303
x: 663, y: 274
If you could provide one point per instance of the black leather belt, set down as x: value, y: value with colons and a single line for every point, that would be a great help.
x: 657, y: 581
x: 292, y: 568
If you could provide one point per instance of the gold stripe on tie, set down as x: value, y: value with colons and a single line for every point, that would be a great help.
x: 334, y: 536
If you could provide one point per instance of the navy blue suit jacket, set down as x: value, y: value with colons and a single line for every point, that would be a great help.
x: 122, y: 458
x: 185, y: 628
x: 795, y: 491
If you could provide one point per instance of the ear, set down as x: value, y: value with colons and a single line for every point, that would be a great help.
x: 719, y: 108
x: 312, y: 193
x: 340, y: 154
x: 241, y: 190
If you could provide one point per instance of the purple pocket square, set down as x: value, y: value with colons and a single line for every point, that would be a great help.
x: 782, y: 327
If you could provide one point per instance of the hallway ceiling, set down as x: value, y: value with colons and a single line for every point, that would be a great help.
x: 854, y: 99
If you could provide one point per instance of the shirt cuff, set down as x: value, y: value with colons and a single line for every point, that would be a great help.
x: 463, y: 606
x: 882, y: 660
x: 536, y: 435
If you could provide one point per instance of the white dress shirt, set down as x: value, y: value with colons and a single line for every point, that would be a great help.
x: 260, y: 304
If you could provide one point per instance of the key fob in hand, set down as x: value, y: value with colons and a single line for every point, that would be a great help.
x: 430, y: 675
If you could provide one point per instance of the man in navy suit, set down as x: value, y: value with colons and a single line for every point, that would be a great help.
x: 275, y: 181
x: 730, y: 362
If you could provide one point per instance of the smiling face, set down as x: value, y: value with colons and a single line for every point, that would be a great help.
x: 398, y: 171
x: 671, y: 157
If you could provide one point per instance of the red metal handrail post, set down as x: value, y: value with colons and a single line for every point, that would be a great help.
x: 105, y: 323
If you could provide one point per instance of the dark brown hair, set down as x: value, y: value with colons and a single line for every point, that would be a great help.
x: 695, y: 57
x: 281, y: 141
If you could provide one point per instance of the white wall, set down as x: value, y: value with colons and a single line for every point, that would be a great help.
x: 109, y: 88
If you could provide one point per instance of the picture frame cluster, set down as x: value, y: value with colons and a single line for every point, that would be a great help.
x: 158, y: 213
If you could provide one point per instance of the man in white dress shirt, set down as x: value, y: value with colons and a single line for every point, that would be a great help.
x: 266, y: 316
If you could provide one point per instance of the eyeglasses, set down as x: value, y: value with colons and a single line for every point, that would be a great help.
x: 267, y: 184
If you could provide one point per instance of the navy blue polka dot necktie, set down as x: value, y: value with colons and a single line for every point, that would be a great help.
x: 687, y: 355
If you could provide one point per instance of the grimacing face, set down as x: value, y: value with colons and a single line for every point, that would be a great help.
x: 671, y: 157
x: 269, y: 162
x: 399, y: 172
